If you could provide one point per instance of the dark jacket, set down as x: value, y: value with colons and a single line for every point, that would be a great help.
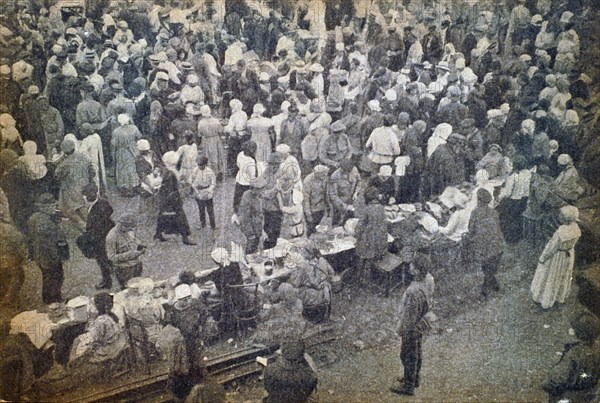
x: 485, y: 236
x: 46, y: 237
x: 99, y: 224
x: 290, y: 382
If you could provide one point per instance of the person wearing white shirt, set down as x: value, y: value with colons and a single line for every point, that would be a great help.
x: 513, y: 200
x: 384, y: 145
x: 204, y: 181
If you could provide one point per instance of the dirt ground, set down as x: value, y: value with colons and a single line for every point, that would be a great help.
x: 495, y: 350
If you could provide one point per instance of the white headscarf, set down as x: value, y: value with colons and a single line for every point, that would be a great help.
x: 220, y: 256
x: 439, y: 137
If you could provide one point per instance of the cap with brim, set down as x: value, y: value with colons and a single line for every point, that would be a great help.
x: 46, y: 199
x: 128, y: 220
x: 192, y: 109
x: 275, y: 158
x: 143, y: 145
x: 338, y: 127
x: 162, y: 76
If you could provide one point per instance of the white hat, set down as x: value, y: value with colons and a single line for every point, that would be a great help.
x: 571, y: 213
x: 564, y: 159
x: 220, y: 255
x: 182, y: 291
x: 258, y: 108
x: 192, y: 79
x: 374, y: 105
x: 4, y: 70
x: 494, y: 113
x: 205, y: 110
x: 264, y: 76
x: 123, y: 118
x: 443, y: 66
x: 170, y: 158
x: 385, y: 170
x: 143, y: 145
x: 537, y: 19
x: 283, y: 80
x: 339, y: 46
x: 283, y: 148
x: 566, y: 17
x: 391, y: 95
x: 71, y: 31
x: 443, y: 131
x: 317, y: 68
x: 161, y: 75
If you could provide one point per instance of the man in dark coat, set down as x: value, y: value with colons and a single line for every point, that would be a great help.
x: 98, y: 225
x: 290, y: 378
x: 413, y: 325
x: 432, y: 46
x: 453, y: 112
x: 485, y: 241
x: 50, y: 247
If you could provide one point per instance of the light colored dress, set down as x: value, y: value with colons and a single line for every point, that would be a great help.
x: 124, y: 146
x: 554, y: 273
x: 259, y: 127
x: 92, y: 147
x: 211, y: 131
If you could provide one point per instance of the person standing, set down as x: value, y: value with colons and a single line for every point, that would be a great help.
x: 273, y: 216
x: 250, y: 215
x: 384, y: 145
x: 342, y: 188
x: 314, y: 203
x: 91, y: 145
x: 14, y: 257
x: 124, y: 250
x: 414, y: 307
x: 485, y: 241
x: 335, y: 146
x: 124, y: 149
x: 211, y: 133
x: 554, y: 272
x: 50, y: 247
x: 171, y: 217
x: 97, y: 227
x: 203, y: 181
x: 371, y: 233
x: 74, y: 172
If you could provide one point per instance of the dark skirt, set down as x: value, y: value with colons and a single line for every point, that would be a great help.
x: 173, y: 223
x: 511, y: 219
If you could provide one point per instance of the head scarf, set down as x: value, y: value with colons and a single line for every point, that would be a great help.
x: 440, y: 136
x: 220, y: 256
x: 570, y: 213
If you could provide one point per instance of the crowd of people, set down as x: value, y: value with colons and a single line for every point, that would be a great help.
x: 476, y: 120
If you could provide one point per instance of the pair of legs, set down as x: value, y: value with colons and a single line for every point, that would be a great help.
x: 272, y: 227
x: 311, y: 226
x: 411, y: 358
x: 105, y: 269
x: 205, y: 207
x: 489, y: 267
x: 52, y: 281
x: 124, y: 274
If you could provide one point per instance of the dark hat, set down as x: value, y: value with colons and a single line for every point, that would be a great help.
x: 408, y: 28
x: 346, y: 165
x: 128, y: 220
x: 371, y: 194
x: 203, y: 160
x: 67, y: 146
x: 87, y: 87
x: 275, y: 158
x: 46, y: 199
x: 455, y: 138
x: 467, y: 123
x: 484, y: 196
x: 87, y: 128
x: 293, y: 350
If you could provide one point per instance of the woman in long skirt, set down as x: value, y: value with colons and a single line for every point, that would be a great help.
x: 553, y: 276
x: 171, y: 217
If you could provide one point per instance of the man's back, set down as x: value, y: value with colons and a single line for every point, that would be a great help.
x: 289, y: 382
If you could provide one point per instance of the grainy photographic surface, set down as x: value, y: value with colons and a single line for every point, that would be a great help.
x: 299, y: 201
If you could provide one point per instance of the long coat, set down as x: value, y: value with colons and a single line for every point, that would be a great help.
x: 171, y: 219
x: 485, y: 236
x: 441, y: 170
x: 552, y: 279
x: 123, y: 142
x: 74, y: 173
x: 45, y: 235
x: 371, y: 232
x: 99, y: 224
